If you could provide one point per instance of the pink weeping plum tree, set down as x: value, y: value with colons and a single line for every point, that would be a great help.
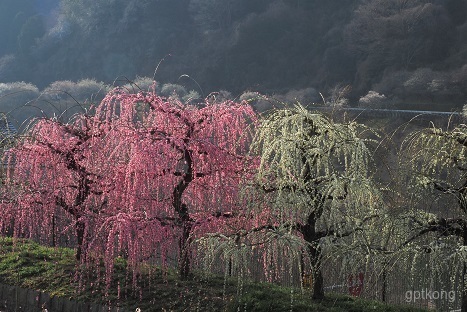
x: 139, y: 176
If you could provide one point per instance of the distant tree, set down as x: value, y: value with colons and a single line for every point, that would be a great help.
x: 423, y: 86
x: 88, y: 14
x: 260, y: 102
x: 373, y: 100
x: 303, y: 96
x: 396, y: 34
x: 18, y: 102
x: 8, y: 134
x: 213, y: 14
x: 13, y: 15
x: 12, y: 68
x: 68, y: 97
x: 171, y: 89
x: 32, y: 30
x: 153, y: 29
x: 145, y: 84
x: 139, y: 167
x: 457, y: 10
x: 219, y: 97
x: 338, y: 96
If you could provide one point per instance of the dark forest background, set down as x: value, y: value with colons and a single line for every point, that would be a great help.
x: 383, y: 53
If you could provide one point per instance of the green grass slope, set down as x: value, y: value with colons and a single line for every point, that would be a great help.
x: 53, y: 270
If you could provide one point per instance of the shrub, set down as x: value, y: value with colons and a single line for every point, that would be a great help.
x: 338, y: 96
x: 373, y: 100
x: 67, y: 98
x: 81, y: 91
x: 9, y: 67
x: 18, y: 101
x: 304, y: 96
x: 146, y: 84
x: 172, y: 89
x: 259, y: 101
x: 219, y: 97
x: 191, y: 97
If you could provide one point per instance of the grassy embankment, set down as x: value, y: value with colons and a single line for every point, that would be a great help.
x: 53, y: 270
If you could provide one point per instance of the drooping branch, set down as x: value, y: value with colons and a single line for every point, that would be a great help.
x: 445, y: 187
x: 441, y: 226
x: 169, y: 172
x: 238, y: 235
x: 59, y: 201
x: 460, y: 192
x: 332, y: 232
x: 461, y: 139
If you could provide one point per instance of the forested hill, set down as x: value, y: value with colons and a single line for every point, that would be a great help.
x: 401, y: 51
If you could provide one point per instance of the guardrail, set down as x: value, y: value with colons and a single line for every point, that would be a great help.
x: 13, y: 298
x: 375, y: 112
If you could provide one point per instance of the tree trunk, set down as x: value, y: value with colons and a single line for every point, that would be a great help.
x: 183, y: 215
x: 317, y: 274
x: 464, y: 290
x: 80, y: 229
x: 54, y: 242
x: 464, y: 275
x: 184, y: 260
x: 383, y: 290
x: 314, y: 252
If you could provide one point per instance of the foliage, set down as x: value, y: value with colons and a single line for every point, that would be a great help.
x: 22, y: 102
x: 312, y: 188
x: 10, y: 68
x: 81, y: 91
x: 338, y: 96
x: 373, y: 100
x: 212, y: 14
x: 32, y: 30
x: 145, y: 84
x: 171, y: 89
x: 67, y: 98
x: 13, y: 15
x: 260, y: 102
x: 219, y: 97
x: 8, y: 135
x: 241, y: 45
x: 395, y: 32
x: 139, y: 167
x: 17, y: 100
x: 438, y: 161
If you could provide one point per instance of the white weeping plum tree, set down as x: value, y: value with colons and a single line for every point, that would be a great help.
x: 438, y: 159
x: 312, y: 189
